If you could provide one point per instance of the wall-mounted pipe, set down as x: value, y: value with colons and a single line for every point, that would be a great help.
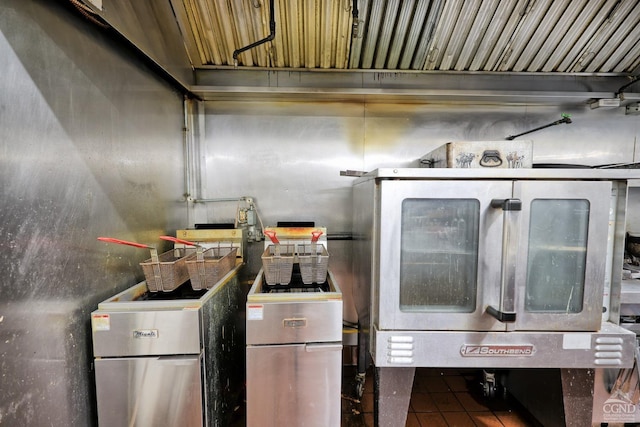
x: 566, y: 118
x: 271, y: 36
x: 187, y: 147
x: 223, y: 199
x: 355, y: 25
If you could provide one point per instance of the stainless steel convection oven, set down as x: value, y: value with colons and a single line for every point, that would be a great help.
x: 488, y: 269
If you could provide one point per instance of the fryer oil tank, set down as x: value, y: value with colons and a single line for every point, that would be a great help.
x: 294, y: 357
x: 170, y: 362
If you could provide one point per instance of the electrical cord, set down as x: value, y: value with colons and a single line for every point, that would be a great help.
x: 623, y: 87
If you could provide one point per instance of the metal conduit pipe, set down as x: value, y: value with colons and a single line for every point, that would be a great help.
x: 222, y: 199
x: 271, y: 36
x: 355, y: 25
x: 186, y: 147
x: 340, y: 236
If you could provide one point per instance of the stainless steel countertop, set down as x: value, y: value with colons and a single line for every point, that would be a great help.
x: 478, y: 173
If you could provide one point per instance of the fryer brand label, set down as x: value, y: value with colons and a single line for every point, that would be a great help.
x: 255, y: 311
x: 100, y: 322
x: 295, y: 323
x: 469, y: 350
x: 145, y: 333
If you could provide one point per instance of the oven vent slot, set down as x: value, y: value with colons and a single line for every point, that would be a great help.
x: 400, y: 350
x: 608, y: 351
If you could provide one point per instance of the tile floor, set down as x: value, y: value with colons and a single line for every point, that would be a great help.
x: 440, y: 398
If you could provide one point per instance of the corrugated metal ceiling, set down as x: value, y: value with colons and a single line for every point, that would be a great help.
x: 568, y: 36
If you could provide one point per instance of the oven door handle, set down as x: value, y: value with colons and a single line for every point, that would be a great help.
x: 506, y: 313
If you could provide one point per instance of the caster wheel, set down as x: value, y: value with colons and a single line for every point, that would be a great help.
x: 489, y: 390
x: 360, y: 378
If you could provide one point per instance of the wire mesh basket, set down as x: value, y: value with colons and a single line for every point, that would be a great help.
x: 169, y: 272
x: 277, y: 263
x: 208, y: 267
x: 314, y: 261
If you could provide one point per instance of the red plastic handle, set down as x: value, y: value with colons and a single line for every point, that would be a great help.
x: 272, y: 235
x: 315, y: 235
x: 176, y: 240
x: 124, y: 242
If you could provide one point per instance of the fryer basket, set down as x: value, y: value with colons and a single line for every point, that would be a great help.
x: 169, y: 272
x: 215, y: 263
x: 314, y: 261
x: 277, y: 263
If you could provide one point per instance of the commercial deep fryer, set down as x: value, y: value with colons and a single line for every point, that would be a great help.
x: 294, y: 347
x: 170, y: 358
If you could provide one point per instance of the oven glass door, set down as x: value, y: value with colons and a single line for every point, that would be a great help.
x: 561, y: 255
x: 440, y: 251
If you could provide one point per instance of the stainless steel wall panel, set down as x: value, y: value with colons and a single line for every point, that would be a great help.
x: 43, y: 365
x: 90, y: 143
x: 288, y: 155
x: 152, y: 27
x: 258, y: 148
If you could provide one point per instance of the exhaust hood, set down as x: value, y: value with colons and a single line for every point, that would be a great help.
x: 586, y: 47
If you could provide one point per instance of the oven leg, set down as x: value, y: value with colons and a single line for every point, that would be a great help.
x: 392, y: 393
x: 577, y: 392
x: 363, y: 361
